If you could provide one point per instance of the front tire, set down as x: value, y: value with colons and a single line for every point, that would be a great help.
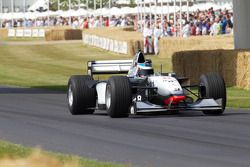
x: 118, y: 96
x: 81, y: 98
x: 213, y: 86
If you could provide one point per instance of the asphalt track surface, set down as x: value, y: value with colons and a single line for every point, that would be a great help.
x: 35, y: 117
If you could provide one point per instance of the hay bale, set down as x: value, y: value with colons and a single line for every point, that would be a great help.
x: 134, y: 39
x: 54, y: 35
x: 63, y: 34
x: 73, y: 34
x: 168, y: 46
x: 134, y: 46
x: 243, y: 69
x: 130, y: 28
x: 233, y: 65
x: 48, y: 36
x: 3, y: 33
x: 115, y: 33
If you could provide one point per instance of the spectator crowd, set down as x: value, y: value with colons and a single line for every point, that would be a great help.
x: 209, y: 22
x: 74, y: 22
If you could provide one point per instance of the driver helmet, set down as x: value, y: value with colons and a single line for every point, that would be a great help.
x: 145, y: 69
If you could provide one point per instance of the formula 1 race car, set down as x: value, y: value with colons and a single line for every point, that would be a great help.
x: 142, y: 90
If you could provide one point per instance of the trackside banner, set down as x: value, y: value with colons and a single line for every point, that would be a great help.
x: 106, y: 43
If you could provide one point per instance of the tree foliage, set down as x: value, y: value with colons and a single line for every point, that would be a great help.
x: 64, y: 4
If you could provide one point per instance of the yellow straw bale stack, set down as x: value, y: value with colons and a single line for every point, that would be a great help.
x: 63, y: 34
x: 3, y: 33
x: 134, y: 39
x: 115, y: 33
x: 53, y: 35
x: 243, y: 70
x: 168, y: 46
x: 233, y: 65
x: 71, y: 34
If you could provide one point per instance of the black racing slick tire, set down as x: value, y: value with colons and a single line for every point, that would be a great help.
x: 118, y: 96
x: 212, y: 85
x: 81, y: 98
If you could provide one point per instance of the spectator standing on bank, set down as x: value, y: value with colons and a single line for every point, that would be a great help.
x: 229, y: 29
x: 97, y: 22
x: 157, y: 37
x: 216, y: 27
x: 204, y: 29
x: 75, y: 24
x: 85, y: 24
x: 186, y: 30
x: 147, y: 34
x: 107, y: 22
x: 112, y: 22
x: 91, y: 22
x: 224, y: 25
x: 197, y: 31
x: 169, y: 30
x: 123, y: 22
x: 193, y: 29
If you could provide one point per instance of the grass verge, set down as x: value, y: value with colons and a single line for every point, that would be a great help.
x: 15, y: 39
x: 17, y: 155
x: 238, y: 98
x: 50, y: 66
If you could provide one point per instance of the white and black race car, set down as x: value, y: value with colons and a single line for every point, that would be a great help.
x: 142, y: 90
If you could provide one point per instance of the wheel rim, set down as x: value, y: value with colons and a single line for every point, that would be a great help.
x: 132, y: 110
x: 70, y: 96
x: 108, y: 98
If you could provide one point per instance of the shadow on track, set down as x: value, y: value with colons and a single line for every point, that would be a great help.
x: 33, y: 90
x: 186, y: 114
x: 155, y: 115
x: 167, y: 115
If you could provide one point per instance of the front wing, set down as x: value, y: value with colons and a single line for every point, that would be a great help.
x: 199, y: 105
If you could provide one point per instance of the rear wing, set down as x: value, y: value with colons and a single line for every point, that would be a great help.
x: 109, y: 67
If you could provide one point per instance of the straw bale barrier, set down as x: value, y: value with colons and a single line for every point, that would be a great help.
x: 233, y: 65
x: 168, y: 46
x: 133, y: 39
x: 56, y: 34
x: 114, y: 33
x: 129, y: 28
x: 3, y: 33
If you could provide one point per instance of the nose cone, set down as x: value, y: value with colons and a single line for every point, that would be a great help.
x: 174, y: 99
x: 166, y: 85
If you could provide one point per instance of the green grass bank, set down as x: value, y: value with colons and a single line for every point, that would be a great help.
x: 50, y: 66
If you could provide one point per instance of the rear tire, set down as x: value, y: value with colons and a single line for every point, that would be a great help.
x: 80, y: 97
x: 213, y: 86
x: 118, y: 97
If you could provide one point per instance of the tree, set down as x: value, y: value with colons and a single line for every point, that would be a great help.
x: 132, y: 3
x: 64, y: 4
